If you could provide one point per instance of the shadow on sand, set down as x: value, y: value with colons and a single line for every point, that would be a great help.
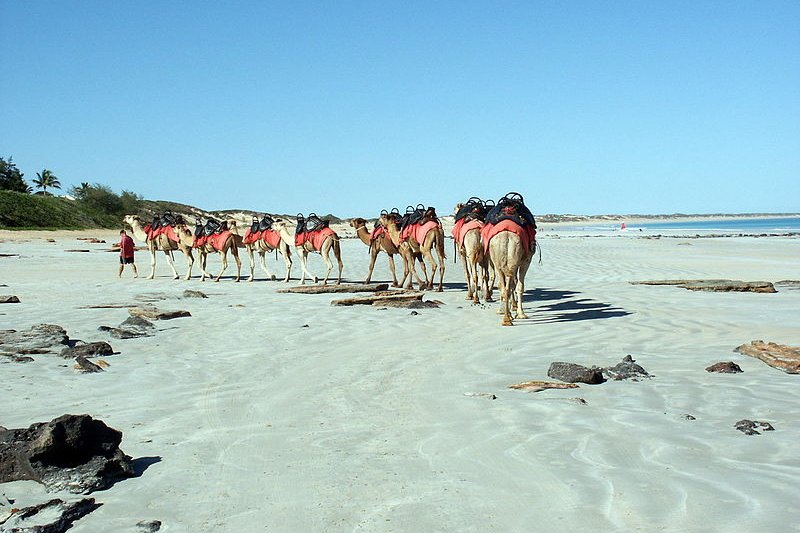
x: 566, y: 306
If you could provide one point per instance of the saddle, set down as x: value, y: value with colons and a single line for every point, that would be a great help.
x: 261, y: 225
x: 511, y: 207
x: 211, y: 227
x: 166, y: 219
x: 473, y: 209
x: 312, y: 223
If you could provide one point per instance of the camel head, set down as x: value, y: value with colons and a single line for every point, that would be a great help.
x: 357, y: 223
x: 279, y: 224
x: 132, y: 219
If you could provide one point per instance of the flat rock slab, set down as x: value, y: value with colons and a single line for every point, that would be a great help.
x: 9, y: 299
x: 151, y: 313
x: 381, y: 298
x: 537, y: 386
x: 725, y: 367
x: 40, y: 338
x: 348, y: 287
x: 80, y: 251
x: 786, y: 358
x: 714, y: 285
x: 53, y: 516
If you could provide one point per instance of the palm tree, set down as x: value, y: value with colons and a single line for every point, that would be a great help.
x: 45, y: 179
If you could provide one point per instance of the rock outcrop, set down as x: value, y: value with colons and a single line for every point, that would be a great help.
x: 75, y: 453
x: 786, y: 358
x: 627, y: 369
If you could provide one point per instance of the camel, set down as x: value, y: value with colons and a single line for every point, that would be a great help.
x: 163, y: 243
x: 324, y: 249
x: 473, y: 259
x: 383, y: 243
x: 511, y: 261
x: 232, y: 243
x: 409, y: 248
x: 262, y: 247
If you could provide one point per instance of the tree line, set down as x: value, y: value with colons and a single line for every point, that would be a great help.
x: 96, y: 196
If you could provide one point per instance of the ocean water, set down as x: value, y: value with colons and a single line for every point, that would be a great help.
x: 727, y: 225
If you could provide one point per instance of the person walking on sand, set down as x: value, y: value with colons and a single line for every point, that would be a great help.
x: 126, y: 248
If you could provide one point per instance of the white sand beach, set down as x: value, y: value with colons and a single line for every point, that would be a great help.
x: 243, y: 419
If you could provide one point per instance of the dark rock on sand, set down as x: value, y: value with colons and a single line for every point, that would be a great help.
x: 627, y: 369
x: 89, y: 349
x: 725, y: 367
x: 573, y: 373
x: 72, y: 452
x: 53, y: 516
x: 39, y: 337
x: 86, y: 366
x: 131, y: 328
x: 17, y: 358
x: 750, y: 427
x: 9, y: 299
x: 149, y: 526
x: 188, y: 293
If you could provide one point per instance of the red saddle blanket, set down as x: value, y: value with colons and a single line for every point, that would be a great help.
x: 316, y: 238
x: 418, y: 231
x: 462, y: 227
x: 527, y: 235
x: 216, y: 240
x: 377, y: 233
x: 169, y: 231
x: 269, y: 236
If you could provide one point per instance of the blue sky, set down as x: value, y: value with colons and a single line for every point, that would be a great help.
x: 352, y: 107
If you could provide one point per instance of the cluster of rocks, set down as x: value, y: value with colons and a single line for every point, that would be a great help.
x: 41, y: 339
x: 131, y: 328
x: 574, y: 373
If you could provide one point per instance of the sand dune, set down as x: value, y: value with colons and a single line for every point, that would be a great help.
x: 372, y: 420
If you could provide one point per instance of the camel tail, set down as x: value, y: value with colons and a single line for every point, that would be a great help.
x: 455, y: 250
x: 440, y: 247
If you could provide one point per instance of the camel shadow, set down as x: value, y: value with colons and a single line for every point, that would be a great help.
x: 568, y: 306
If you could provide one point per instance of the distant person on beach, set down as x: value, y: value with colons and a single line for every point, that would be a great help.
x: 126, y: 249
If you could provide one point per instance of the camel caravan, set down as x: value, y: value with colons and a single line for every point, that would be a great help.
x: 495, y: 241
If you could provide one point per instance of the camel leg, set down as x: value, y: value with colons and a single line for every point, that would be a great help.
x: 325, y: 253
x: 391, y: 267
x: 463, y: 257
x: 337, y: 252
x: 427, y: 256
x: 235, y: 253
x: 224, y: 257
x: 523, y: 270
x: 440, y: 252
x: 152, y: 261
x: 262, y: 261
x: 190, y: 261
x: 288, y: 260
x: 203, y: 265
x: 373, y: 255
x: 473, y: 267
x: 413, y: 267
x: 171, y: 264
x: 251, y: 257
x: 506, y: 283
x: 303, y: 265
x: 487, y: 289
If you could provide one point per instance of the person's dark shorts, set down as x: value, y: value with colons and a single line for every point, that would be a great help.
x: 126, y: 260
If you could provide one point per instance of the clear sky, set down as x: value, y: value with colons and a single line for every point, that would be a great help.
x: 351, y: 107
